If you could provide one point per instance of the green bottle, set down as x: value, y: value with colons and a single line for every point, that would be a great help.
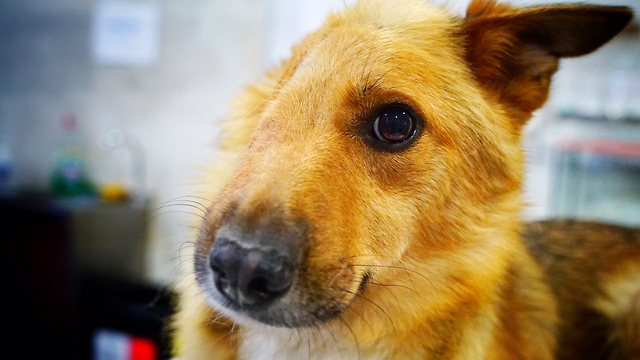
x: 70, y: 177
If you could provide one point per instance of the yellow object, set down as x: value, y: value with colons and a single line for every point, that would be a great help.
x: 113, y: 192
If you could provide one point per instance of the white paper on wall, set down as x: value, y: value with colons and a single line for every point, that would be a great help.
x: 126, y: 33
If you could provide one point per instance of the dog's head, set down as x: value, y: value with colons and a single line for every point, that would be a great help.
x: 385, y: 153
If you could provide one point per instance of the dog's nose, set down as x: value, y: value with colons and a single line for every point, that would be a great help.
x: 250, y: 276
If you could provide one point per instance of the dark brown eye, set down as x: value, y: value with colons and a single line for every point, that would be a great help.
x: 394, y: 124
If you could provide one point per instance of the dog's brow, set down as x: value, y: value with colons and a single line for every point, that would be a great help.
x: 366, y: 75
x: 368, y: 85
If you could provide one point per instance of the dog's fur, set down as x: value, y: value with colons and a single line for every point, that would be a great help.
x: 415, y: 249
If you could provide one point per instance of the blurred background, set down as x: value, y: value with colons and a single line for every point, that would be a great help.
x: 109, y: 108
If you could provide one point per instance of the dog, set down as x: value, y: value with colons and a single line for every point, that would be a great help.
x: 369, y: 204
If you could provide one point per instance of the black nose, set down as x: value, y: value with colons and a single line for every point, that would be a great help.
x: 250, y: 276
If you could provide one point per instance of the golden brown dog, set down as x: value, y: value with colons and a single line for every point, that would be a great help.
x: 370, y: 204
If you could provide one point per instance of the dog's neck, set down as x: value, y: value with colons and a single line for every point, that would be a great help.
x: 316, y: 343
x: 265, y: 343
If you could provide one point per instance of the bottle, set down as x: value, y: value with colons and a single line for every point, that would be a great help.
x: 70, y: 176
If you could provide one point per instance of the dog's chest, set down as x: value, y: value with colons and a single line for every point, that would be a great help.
x: 269, y: 344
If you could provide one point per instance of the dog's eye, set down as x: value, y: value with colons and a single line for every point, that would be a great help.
x: 394, y: 124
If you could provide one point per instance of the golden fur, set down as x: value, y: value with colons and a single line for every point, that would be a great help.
x: 409, y: 251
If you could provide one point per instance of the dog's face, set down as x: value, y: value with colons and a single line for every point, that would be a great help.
x: 380, y: 158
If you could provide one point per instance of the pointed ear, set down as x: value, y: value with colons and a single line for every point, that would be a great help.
x: 514, y: 51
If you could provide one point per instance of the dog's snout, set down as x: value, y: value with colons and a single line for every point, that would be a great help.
x: 251, y: 276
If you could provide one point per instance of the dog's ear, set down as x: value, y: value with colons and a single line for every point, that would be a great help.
x: 514, y: 51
